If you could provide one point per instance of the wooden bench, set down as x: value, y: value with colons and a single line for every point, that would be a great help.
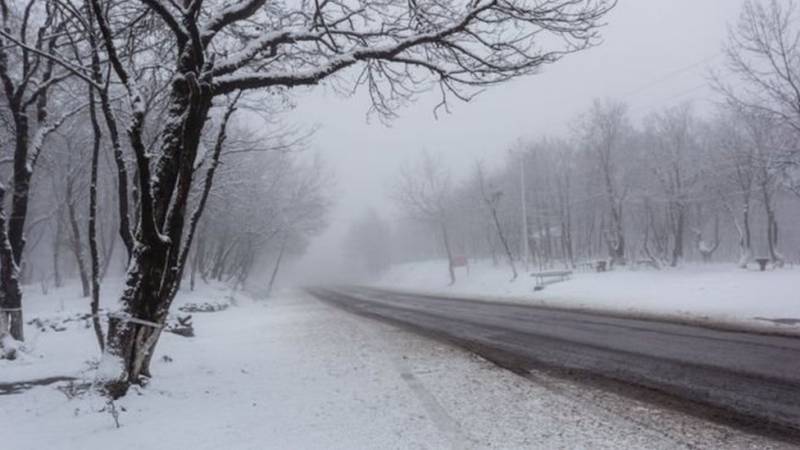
x: 545, y: 278
x: 647, y: 263
x: 593, y: 266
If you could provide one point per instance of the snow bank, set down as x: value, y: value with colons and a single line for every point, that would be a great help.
x: 71, y: 349
x: 716, y: 293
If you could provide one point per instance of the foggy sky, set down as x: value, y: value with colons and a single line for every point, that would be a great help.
x: 655, y: 54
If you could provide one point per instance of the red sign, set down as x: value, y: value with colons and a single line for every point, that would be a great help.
x: 460, y: 261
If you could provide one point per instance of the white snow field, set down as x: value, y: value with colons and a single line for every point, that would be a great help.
x: 712, y: 293
x: 293, y: 373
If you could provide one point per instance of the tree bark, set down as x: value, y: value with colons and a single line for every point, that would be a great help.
x: 11, y: 307
x: 113, y: 131
x: 92, y: 225
x: 156, y: 264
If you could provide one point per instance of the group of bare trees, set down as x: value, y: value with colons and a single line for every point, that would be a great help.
x: 677, y: 187
x: 674, y: 186
x: 155, y: 88
x: 267, y: 208
x: 85, y: 198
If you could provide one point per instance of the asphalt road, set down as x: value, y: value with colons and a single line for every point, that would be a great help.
x: 751, y: 380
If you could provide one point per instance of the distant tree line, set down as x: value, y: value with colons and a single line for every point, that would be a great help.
x: 677, y: 186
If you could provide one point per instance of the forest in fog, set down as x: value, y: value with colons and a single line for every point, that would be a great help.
x: 269, y: 196
x: 678, y: 185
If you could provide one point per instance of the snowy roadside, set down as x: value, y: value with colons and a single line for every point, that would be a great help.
x: 59, y: 340
x: 295, y: 373
x: 716, y: 294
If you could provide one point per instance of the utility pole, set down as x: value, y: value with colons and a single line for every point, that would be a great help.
x: 525, y: 244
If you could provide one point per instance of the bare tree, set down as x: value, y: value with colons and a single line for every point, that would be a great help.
x: 765, y: 137
x: 27, y: 79
x: 491, y: 198
x: 736, y: 164
x: 763, y: 51
x: 604, y: 132
x: 424, y: 191
x: 676, y: 163
x: 266, y: 203
x: 563, y: 181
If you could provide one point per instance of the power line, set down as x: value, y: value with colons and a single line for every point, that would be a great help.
x: 671, y: 75
x: 672, y: 98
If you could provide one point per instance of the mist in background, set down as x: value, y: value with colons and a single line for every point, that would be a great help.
x: 655, y: 54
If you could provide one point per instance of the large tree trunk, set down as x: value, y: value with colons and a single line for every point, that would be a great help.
x: 159, y: 255
x: 11, y: 305
x: 14, y: 227
x: 133, y: 331
x: 22, y: 184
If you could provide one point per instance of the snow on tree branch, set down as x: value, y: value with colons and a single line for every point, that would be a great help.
x: 461, y: 45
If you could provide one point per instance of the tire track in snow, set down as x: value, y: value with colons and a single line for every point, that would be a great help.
x: 435, y: 411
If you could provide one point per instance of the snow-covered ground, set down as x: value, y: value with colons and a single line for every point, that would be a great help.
x: 293, y: 373
x: 718, y: 293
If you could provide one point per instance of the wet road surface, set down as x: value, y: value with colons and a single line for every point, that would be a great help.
x: 752, y: 380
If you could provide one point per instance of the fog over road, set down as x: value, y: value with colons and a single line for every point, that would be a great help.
x: 750, y: 379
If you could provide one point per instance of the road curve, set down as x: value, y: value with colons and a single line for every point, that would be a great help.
x: 750, y: 379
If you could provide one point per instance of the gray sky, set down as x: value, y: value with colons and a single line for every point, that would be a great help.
x: 656, y: 53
